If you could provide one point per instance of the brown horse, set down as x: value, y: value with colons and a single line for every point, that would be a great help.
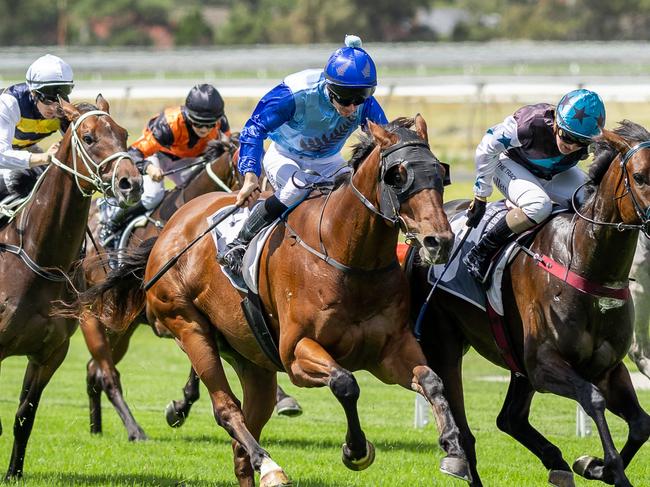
x: 107, y: 349
x: 566, y: 341
x: 48, y: 235
x: 334, y: 310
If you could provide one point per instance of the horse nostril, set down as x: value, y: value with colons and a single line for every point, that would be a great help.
x: 124, y: 184
x: 431, y: 242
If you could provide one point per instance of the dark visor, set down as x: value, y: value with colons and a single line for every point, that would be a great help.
x: 350, y: 95
x: 51, y: 92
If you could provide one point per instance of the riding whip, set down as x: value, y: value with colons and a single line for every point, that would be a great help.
x: 173, y: 260
x: 417, y: 330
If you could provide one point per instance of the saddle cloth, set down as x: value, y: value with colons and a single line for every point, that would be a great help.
x: 226, y: 231
x: 457, y: 280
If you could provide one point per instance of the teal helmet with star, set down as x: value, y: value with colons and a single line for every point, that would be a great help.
x: 581, y: 113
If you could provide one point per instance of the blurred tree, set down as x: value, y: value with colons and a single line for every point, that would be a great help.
x: 30, y: 22
x: 193, y: 30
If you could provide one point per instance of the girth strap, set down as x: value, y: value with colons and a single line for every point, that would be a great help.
x: 40, y: 271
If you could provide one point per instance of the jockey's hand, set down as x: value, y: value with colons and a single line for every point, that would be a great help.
x: 476, y: 211
x: 249, y: 191
x: 154, y: 172
x: 41, y: 158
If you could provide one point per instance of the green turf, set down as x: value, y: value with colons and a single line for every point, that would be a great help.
x: 62, y: 452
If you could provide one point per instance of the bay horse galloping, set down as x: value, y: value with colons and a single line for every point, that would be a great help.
x: 340, y: 308
x: 40, y: 246
x: 568, y: 334
x: 108, y: 349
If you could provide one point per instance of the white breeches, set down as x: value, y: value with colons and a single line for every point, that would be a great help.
x: 153, y: 192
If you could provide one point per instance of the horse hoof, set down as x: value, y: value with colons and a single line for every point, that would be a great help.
x: 139, y: 435
x: 173, y: 417
x: 360, y: 463
x: 277, y: 478
x: 561, y: 478
x: 456, y: 467
x: 586, y: 466
x: 288, y: 406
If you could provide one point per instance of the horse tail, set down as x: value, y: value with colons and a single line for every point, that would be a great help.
x: 118, y: 300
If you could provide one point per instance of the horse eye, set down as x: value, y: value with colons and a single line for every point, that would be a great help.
x: 87, y: 138
x: 639, y: 178
x: 394, y: 177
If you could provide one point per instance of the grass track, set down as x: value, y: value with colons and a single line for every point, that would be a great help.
x: 62, y: 452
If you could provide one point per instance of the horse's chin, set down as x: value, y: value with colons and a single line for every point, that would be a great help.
x: 433, y: 256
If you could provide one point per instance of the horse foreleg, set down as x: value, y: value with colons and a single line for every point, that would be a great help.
x: 36, y: 378
x: 513, y: 420
x: 553, y: 374
x: 403, y: 363
x: 177, y: 412
x: 195, y: 336
x: 102, y: 374
x: 622, y: 400
x: 314, y: 367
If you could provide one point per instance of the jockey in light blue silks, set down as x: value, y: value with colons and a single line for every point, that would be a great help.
x: 531, y: 157
x: 308, y: 117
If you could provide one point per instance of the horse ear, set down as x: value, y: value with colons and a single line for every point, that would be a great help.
x: 69, y: 110
x: 102, y: 104
x: 615, y: 140
x: 421, y: 127
x: 382, y: 137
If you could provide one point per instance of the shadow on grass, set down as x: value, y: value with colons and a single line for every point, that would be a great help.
x: 119, y: 479
x: 429, y: 444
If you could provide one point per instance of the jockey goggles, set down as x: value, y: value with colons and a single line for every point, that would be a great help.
x: 49, y: 94
x: 349, y: 95
x: 572, y: 139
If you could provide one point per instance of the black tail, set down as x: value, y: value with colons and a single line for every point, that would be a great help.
x: 118, y: 299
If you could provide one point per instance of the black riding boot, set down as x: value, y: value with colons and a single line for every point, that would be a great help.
x: 119, y: 219
x: 262, y: 215
x: 478, y: 259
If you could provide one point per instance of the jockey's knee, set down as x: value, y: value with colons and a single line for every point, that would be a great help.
x: 150, y: 201
x: 538, y: 209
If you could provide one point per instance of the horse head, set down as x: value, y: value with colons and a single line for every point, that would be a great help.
x: 94, y: 151
x: 410, y: 187
x: 629, y: 174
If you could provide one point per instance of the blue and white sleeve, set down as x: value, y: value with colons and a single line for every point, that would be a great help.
x: 496, y: 140
x: 273, y: 110
x: 372, y: 111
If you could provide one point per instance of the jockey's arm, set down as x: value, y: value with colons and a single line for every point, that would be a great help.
x: 495, y: 141
x: 273, y: 110
x: 11, y: 158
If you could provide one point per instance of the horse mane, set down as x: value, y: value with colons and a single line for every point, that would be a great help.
x: 605, y: 153
x: 366, y: 143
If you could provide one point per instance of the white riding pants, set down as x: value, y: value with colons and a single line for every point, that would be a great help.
x: 152, y: 191
x: 286, y: 172
x: 535, y: 196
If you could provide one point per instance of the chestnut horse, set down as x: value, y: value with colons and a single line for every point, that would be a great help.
x: 41, y: 245
x: 331, y: 311
x: 566, y: 341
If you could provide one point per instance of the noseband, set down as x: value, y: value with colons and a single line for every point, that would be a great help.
x: 422, y: 172
x: 93, y: 168
x: 644, y: 215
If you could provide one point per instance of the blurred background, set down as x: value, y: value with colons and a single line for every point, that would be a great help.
x: 463, y: 64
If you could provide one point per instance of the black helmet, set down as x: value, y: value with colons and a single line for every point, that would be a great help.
x: 204, y: 104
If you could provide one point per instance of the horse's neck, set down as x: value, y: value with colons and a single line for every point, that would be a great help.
x: 55, y: 221
x: 356, y: 235
x: 604, y: 253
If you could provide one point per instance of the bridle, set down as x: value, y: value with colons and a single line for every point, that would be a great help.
x: 644, y: 215
x: 422, y: 172
x: 93, y: 168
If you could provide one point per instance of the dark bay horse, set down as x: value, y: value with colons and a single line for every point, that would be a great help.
x: 107, y: 349
x: 328, y: 319
x: 567, y: 342
x: 48, y: 235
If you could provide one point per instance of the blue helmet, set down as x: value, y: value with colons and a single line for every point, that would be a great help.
x: 581, y: 113
x: 351, y: 66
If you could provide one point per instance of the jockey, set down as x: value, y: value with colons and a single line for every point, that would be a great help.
x: 168, y: 141
x: 308, y: 118
x: 30, y: 112
x: 531, y: 157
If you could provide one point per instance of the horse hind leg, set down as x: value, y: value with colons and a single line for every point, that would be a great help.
x: 513, y: 420
x: 35, y: 380
x: 177, y: 412
x: 94, y: 391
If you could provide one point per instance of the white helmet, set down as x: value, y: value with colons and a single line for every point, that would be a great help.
x: 49, y: 70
